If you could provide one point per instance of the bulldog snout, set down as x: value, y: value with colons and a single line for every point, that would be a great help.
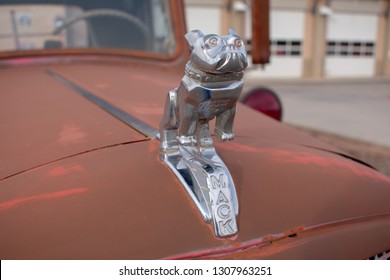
x: 231, y: 47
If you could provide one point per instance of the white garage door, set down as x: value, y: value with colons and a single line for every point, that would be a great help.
x: 350, y: 45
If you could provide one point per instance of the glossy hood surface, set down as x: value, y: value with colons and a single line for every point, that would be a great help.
x: 77, y: 183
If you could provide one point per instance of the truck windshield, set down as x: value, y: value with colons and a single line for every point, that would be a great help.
x: 143, y: 25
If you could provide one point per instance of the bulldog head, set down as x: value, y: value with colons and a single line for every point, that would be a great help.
x: 217, y: 54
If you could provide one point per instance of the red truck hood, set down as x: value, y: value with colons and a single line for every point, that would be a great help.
x: 48, y: 121
x: 81, y: 184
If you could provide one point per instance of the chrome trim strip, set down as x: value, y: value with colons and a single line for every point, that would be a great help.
x: 126, y: 118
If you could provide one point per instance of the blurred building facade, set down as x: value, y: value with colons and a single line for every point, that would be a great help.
x: 309, y: 38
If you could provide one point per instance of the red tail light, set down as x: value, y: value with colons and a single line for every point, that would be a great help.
x: 265, y: 101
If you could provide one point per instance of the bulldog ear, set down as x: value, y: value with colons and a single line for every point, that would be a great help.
x: 192, y: 36
x: 232, y: 32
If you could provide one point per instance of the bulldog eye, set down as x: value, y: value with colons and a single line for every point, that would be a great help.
x: 238, y: 42
x: 212, y: 42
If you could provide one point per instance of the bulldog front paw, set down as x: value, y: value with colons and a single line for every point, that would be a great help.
x: 187, y: 140
x: 223, y: 136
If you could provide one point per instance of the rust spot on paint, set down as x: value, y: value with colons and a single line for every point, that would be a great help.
x: 71, y: 134
x: 294, y: 231
x: 63, y: 170
x: 230, y: 250
x: 309, y: 159
x: 14, y: 202
x: 327, y: 162
x: 236, y: 147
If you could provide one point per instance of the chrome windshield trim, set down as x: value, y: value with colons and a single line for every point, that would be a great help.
x: 121, y: 115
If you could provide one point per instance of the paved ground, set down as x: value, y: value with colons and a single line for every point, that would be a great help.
x: 352, y: 114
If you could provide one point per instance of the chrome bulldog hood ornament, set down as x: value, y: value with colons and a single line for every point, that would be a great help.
x: 210, y: 88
